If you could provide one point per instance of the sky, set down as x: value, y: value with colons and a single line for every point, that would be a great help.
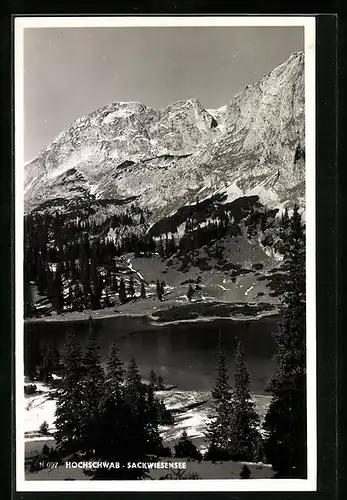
x: 69, y: 72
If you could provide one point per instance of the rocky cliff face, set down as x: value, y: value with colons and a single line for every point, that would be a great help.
x: 166, y: 158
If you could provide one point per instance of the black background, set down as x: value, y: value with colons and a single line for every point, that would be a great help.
x: 329, y: 244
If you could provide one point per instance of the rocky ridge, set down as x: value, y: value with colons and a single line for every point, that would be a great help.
x: 167, y: 158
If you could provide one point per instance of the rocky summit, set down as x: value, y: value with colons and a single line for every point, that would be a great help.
x: 166, y: 159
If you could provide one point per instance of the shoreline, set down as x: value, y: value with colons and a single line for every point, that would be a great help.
x: 153, y: 321
x: 210, y: 319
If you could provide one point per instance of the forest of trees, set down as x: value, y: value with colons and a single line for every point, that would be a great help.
x: 75, y: 261
x: 285, y: 422
x: 103, y: 410
x: 234, y: 431
x: 109, y: 414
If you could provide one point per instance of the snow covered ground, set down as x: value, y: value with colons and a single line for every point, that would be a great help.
x: 191, y: 410
x: 39, y: 407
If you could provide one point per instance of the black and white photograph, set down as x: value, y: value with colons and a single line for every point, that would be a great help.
x: 165, y: 253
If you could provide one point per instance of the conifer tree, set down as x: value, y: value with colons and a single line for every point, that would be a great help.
x: 93, y: 382
x: 190, y: 293
x: 32, y: 355
x: 160, y: 248
x: 160, y: 383
x: 114, y: 286
x: 285, y: 422
x: 128, y: 427
x: 263, y: 221
x: 152, y: 421
x: 134, y: 386
x: 69, y: 403
x: 58, y: 297
x: 114, y: 367
x: 131, y: 288
x: 28, y: 299
x: 159, y: 290
x: 245, y: 472
x: 69, y: 299
x: 55, y: 355
x: 186, y: 449
x: 41, y: 275
x: 219, y: 432
x: 107, y: 301
x: 47, y: 365
x: 284, y: 223
x: 122, y: 292
x: 78, y: 299
x: 135, y: 393
x: 245, y: 420
x: 113, y: 425
x: 153, y: 378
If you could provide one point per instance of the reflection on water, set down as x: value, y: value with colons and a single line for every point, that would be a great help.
x: 183, y: 354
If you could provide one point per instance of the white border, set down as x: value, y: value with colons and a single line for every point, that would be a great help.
x: 309, y: 484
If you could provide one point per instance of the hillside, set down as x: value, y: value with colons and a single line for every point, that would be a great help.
x: 130, y: 197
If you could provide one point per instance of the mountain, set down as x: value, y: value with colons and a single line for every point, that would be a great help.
x: 165, y: 159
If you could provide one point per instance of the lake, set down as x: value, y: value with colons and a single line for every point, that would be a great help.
x: 184, y: 353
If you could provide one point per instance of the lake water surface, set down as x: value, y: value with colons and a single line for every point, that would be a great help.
x: 184, y: 353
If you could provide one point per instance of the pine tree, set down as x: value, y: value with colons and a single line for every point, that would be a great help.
x: 190, y: 293
x: 143, y: 290
x: 32, y: 355
x: 114, y: 286
x: 160, y: 383
x: 58, y: 297
x: 245, y: 420
x: 153, y: 379
x: 128, y: 426
x: 93, y: 382
x: 122, y: 292
x: 47, y: 365
x: 78, y: 299
x: 29, y: 308
x: 107, y: 302
x: 245, y: 472
x: 135, y: 396
x: 131, y: 288
x: 159, y: 290
x: 160, y: 248
x: 114, y: 367
x: 113, y: 424
x: 69, y: 403
x: 186, y: 449
x: 285, y: 422
x: 55, y: 355
x: 263, y: 221
x: 219, y: 432
x: 152, y: 421
x: 69, y: 299
x: 134, y: 386
x: 41, y: 275
x: 284, y: 224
